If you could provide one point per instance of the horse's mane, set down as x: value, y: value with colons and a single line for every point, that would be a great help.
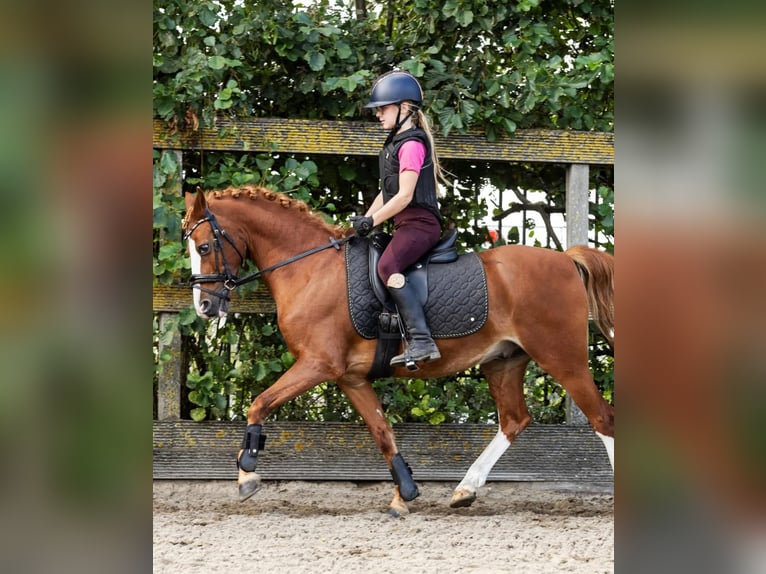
x: 255, y: 193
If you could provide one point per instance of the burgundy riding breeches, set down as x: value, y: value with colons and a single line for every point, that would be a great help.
x: 416, y: 231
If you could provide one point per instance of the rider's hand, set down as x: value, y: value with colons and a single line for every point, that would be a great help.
x: 362, y: 225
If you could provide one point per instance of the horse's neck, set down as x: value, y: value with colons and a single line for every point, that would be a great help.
x: 278, y: 237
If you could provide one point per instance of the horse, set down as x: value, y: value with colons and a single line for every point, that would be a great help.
x: 539, y: 304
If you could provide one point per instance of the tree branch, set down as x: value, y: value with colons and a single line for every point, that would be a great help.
x: 361, y: 9
x: 543, y: 209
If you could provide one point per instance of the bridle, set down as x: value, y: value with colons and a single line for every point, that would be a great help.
x: 229, y: 279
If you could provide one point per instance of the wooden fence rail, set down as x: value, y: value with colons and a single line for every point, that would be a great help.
x: 183, y: 449
x: 365, y: 139
x: 346, y: 451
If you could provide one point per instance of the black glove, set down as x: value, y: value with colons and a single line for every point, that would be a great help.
x: 362, y: 225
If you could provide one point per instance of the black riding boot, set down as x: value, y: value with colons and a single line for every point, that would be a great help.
x: 421, y: 346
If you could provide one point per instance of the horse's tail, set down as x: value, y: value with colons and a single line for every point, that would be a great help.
x: 597, y: 271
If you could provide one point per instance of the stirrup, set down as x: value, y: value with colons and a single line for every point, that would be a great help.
x: 407, y: 360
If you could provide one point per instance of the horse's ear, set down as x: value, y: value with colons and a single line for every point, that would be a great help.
x: 195, y: 202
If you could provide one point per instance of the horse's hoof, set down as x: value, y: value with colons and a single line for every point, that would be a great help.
x: 249, y: 485
x: 462, y: 498
x: 398, y: 508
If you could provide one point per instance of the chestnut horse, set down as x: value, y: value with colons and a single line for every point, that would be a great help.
x: 539, y: 302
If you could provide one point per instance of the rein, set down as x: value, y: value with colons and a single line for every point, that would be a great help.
x: 336, y: 243
x: 229, y: 279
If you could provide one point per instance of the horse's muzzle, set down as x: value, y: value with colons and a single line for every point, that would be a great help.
x: 213, y: 307
x: 205, y: 307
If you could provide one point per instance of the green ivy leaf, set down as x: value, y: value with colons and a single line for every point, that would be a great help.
x: 275, y: 366
x: 449, y: 9
x: 343, y: 50
x: 303, y: 18
x: 264, y: 163
x: 436, y: 418
x: 259, y: 371
x: 347, y: 171
x: 414, y: 67
x: 168, y: 251
x: 306, y: 169
x: 316, y: 61
x: 198, y: 414
x: 208, y: 17
x: 187, y: 316
x: 216, y: 62
x: 168, y: 163
x: 287, y: 360
x: 465, y: 18
x: 510, y: 125
x: 165, y: 106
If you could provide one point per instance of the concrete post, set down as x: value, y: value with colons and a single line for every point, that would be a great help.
x: 169, y: 377
x: 577, y: 177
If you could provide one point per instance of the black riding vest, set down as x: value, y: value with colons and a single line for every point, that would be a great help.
x: 425, y: 189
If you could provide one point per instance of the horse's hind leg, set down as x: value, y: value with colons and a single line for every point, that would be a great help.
x: 506, y: 385
x: 600, y: 414
x: 366, y: 402
x: 569, y: 366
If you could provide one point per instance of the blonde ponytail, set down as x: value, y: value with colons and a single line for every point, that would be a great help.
x: 421, y: 121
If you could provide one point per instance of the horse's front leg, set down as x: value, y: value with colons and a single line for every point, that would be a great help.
x: 304, y: 375
x: 366, y: 402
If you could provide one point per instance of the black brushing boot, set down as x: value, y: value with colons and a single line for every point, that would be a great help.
x: 421, y: 347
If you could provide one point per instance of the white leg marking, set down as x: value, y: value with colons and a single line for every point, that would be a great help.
x: 609, y: 444
x: 477, y: 474
x: 196, y: 266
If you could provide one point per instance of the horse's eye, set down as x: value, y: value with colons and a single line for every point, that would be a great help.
x: 204, y: 249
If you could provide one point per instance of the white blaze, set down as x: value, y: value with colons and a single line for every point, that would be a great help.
x: 196, y: 267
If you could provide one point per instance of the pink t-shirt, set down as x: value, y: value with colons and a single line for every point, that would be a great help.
x: 411, y: 156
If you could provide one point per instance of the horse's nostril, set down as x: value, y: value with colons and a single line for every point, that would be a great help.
x: 204, y: 305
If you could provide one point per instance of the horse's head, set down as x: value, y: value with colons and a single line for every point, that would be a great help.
x: 215, y: 258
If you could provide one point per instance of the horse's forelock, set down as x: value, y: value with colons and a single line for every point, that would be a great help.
x: 186, y: 221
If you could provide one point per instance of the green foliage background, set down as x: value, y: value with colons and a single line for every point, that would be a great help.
x: 494, y: 66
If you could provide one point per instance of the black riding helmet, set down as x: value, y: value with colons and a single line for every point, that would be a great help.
x: 394, y: 88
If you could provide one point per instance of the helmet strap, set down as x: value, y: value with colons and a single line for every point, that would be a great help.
x: 399, y: 122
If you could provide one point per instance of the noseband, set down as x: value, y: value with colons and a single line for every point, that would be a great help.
x: 230, y: 280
